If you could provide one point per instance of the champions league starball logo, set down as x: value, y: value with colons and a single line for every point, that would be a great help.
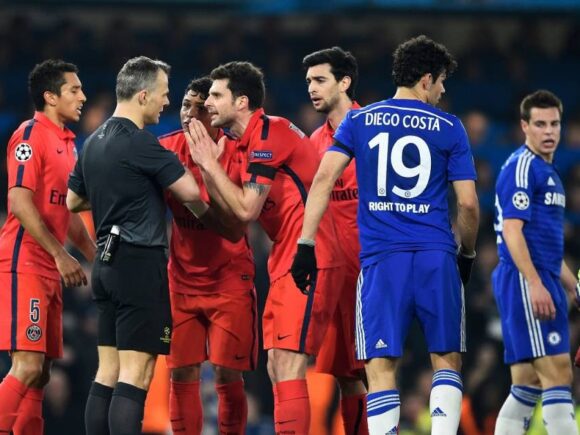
x: 23, y: 152
x: 521, y: 200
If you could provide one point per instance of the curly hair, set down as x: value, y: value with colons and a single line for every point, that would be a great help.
x: 244, y: 79
x: 199, y: 86
x: 342, y: 64
x: 419, y: 56
x: 540, y: 99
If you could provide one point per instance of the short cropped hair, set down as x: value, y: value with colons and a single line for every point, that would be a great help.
x: 137, y: 74
x: 199, y: 86
x: 342, y: 64
x: 419, y: 56
x: 243, y: 78
x: 541, y: 99
x: 48, y: 76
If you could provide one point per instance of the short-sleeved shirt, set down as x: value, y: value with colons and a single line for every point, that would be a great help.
x: 344, y: 197
x: 40, y: 156
x: 278, y: 154
x: 122, y: 172
x: 201, y: 260
x: 406, y: 153
x: 529, y: 188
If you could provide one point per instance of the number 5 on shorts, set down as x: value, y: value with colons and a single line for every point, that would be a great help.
x: 34, y: 310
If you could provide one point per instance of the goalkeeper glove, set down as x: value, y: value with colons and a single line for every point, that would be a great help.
x: 304, y: 266
x: 465, y: 264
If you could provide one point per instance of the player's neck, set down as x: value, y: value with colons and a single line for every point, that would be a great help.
x: 404, y: 93
x: 126, y: 110
x: 548, y: 158
x: 238, y: 128
x: 337, y: 114
x: 52, y: 115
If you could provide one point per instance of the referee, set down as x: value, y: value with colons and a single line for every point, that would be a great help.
x: 121, y: 177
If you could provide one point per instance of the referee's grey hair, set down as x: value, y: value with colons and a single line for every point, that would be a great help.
x: 137, y: 74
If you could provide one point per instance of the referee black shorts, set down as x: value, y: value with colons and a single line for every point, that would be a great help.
x: 132, y: 297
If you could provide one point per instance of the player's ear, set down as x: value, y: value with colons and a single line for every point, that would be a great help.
x: 242, y: 102
x: 142, y: 97
x: 427, y: 81
x: 345, y: 83
x: 524, y: 125
x: 49, y: 98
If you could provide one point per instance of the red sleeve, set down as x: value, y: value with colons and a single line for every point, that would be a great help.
x: 24, y: 159
x: 269, y: 149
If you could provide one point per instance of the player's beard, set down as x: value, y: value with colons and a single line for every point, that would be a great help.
x: 327, y: 107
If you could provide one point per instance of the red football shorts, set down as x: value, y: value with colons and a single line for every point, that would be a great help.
x: 298, y: 322
x: 30, y: 314
x: 219, y: 327
x: 337, y: 353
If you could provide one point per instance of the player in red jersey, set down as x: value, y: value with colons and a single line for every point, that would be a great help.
x: 278, y: 165
x: 331, y: 75
x: 213, y: 299
x: 40, y: 155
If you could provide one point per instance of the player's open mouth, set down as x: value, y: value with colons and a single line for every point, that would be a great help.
x: 549, y: 142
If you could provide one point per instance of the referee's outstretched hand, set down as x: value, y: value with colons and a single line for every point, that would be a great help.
x: 70, y: 269
x: 304, y: 268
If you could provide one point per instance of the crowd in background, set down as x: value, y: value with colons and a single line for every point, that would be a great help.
x: 496, y: 68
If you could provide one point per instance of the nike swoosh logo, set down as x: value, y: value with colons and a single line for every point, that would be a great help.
x: 286, y: 421
x: 60, y: 151
x: 282, y: 337
x: 239, y: 357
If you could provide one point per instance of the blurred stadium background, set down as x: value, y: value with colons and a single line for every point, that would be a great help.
x: 505, y: 49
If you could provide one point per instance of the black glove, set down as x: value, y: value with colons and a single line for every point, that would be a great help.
x: 304, y: 267
x: 465, y: 264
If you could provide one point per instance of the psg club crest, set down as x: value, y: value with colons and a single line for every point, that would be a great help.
x: 23, y: 152
x: 33, y: 333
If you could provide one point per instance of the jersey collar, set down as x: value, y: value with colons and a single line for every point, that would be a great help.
x: 328, y: 128
x: 245, y: 139
x: 62, y: 133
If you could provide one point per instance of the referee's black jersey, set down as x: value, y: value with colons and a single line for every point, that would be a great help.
x: 122, y: 172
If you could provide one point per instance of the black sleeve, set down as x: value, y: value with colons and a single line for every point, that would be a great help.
x: 76, y: 180
x: 156, y: 161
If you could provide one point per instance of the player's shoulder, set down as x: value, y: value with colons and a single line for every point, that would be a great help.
x: 30, y: 132
x: 518, y: 167
x: 172, y: 140
x: 275, y: 127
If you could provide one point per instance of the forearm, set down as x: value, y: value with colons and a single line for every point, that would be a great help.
x: 568, y: 279
x: 30, y: 219
x: 229, y: 196
x: 80, y: 238
x: 316, y: 205
x: 520, y: 254
x: 467, y: 226
x: 211, y: 219
x: 221, y: 208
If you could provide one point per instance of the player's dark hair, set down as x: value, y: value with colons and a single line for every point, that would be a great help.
x: 419, y: 56
x: 48, y: 76
x: 342, y: 63
x: 244, y: 79
x: 541, y: 99
x: 200, y: 87
x: 137, y: 74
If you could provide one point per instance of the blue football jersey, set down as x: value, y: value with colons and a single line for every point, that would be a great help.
x: 530, y: 189
x: 406, y: 153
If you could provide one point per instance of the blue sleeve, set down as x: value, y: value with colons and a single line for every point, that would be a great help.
x: 461, y: 165
x: 515, y: 188
x: 344, y: 137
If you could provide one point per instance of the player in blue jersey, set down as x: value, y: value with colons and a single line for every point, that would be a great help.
x: 529, y: 279
x: 406, y: 152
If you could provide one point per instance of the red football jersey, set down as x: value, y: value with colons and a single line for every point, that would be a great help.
x: 344, y: 197
x: 40, y: 157
x: 200, y: 259
x: 278, y: 154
